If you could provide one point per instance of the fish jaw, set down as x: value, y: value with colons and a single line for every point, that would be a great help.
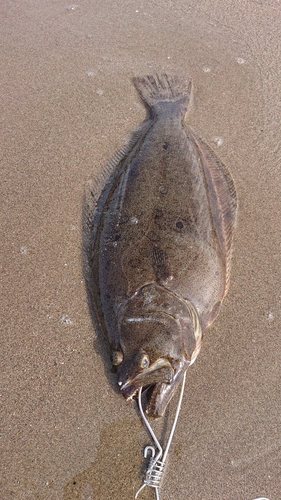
x: 162, y: 393
x: 161, y: 371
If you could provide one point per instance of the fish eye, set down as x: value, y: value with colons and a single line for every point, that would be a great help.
x: 117, y: 358
x: 144, y: 361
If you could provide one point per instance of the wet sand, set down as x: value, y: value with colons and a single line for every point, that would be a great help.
x: 67, y: 105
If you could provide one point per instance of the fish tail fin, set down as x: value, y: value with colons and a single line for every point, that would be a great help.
x: 158, y: 90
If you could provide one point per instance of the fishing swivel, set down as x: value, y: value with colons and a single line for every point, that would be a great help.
x: 154, y: 472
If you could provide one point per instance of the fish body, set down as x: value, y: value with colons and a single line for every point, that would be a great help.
x: 161, y: 249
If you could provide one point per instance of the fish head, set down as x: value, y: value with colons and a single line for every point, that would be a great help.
x: 157, y: 344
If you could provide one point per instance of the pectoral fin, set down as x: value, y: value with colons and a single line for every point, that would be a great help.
x: 161, y: 266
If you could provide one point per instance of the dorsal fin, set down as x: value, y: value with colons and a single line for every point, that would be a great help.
x: 95, y: 195
x: 222, y: 198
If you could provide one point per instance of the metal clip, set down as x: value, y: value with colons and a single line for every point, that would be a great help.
x: 157, y: 460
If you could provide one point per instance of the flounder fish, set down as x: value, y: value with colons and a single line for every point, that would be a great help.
x: 161, y: 246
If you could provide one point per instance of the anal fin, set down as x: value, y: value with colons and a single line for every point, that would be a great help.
x: 222, y: 199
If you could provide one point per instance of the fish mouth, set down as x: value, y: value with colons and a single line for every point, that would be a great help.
x: 161, y: 371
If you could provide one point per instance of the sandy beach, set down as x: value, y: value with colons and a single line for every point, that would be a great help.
x: 68, y: 104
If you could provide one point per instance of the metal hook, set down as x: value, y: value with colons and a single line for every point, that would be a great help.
x: 149, y: 448
x: 157, y: 462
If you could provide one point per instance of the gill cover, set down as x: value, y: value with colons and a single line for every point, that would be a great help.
x: 160, y: 337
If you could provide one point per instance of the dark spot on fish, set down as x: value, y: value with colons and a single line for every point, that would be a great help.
x: 108, y: 296
x: 117, y: 237
x: 108, y: 265
x: 186, y: 224
x: 165, y: 145
x: 158, y: 213
x: 159, y: 218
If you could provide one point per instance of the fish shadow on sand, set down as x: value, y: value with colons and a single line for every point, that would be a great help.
x: 114, y: 472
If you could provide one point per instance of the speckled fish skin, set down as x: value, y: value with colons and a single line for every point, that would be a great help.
x: 162, y: 241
